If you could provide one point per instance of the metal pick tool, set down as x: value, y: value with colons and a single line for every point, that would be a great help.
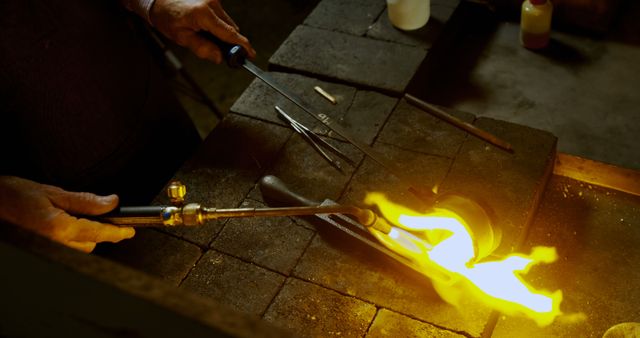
x: 316, y: 141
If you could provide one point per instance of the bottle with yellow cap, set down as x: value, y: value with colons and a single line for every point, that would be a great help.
x: 535, y: 23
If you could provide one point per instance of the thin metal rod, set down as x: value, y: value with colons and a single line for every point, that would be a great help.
x: 315, y: 139
x: 300, y: 129
x: 364, y: 216
x: 471, y: 129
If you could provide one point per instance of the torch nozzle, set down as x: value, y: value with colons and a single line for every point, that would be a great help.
x: 369, y: 219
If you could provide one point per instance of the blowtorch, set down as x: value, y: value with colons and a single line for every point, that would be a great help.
x: 194, y: 214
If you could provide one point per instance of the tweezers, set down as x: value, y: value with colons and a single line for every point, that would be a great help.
x: 316, y: 141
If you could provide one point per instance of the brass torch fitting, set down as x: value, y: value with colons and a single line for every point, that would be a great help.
x: 190, y: 214
x: 369, y: 218
x: 171, y: 216
x: 193, y: 214
x: 176, y: 192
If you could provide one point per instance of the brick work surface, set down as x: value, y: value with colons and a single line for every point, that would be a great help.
x: 156, y: 253
x: 335, y: 284
x: 391, y: 324
x: 275, y: 243
x: 306, y: 172
x: 353, y: 16
x: 303, y: 274
x: 366, y: 62
x: 422, y: 38
x: 433, y: 137
x: 311, y: 310
x: 241, y: 285
x: 353, y: 41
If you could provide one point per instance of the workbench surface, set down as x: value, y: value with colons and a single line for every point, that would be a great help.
x: 296, y: 274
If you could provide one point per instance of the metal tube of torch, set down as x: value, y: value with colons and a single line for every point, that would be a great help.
x: 193, y: 214
x: 364, y: 216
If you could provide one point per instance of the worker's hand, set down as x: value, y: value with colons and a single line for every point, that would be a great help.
x: 181, y: 20
x: 43, y: 209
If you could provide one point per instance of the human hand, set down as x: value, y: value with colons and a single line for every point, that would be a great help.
x: 182, y: 20
x: 43, y: 209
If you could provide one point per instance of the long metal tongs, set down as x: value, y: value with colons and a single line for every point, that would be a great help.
x: 316, y: 141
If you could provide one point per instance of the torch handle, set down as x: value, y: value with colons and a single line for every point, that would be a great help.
x: 234, y: 55
x: 138, y: 215
x: 274, y: 190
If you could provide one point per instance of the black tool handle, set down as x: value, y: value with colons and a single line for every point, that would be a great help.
x: 234, y: 55
x: 274, y: 190
x: 151, y: 215
x: 142, y: 211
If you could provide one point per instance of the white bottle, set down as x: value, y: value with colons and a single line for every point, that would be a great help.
x: 409, y: 14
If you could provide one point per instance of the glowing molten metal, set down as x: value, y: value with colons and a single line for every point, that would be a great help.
x: 441, y: 244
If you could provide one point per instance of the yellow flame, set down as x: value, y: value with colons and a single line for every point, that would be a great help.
x: 441, y: 244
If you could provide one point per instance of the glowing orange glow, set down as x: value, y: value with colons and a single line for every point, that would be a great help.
x: 442, y: 246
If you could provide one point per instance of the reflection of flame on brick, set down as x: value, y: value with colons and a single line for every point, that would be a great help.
x: 441, y: 244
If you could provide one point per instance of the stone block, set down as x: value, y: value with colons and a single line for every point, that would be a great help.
x: 155, y: 253
x: 423, y: 37
x: 413, y: 129
x: 272, y: 242
x: 307, y: 173
x: 596, y: 232
x: 391, y: 324
x: 507, y: 185
x: 367, y: 114
x: 242, y: 286
x: 225, y: 169
x: 369, y: 63
x: 350, y: 16
x: 313, y: 311
x: 339, y: 262
x: 423, y: 171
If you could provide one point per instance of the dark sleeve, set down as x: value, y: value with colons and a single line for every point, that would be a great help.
x: 85, y: 106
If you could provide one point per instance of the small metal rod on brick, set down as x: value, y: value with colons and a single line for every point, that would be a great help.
x: 468, y: 127
x: 324, y: 94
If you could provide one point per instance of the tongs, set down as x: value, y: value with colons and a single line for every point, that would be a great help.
x: 316, y: 141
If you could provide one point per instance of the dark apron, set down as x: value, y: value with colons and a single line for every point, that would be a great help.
x: 83, y: 104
